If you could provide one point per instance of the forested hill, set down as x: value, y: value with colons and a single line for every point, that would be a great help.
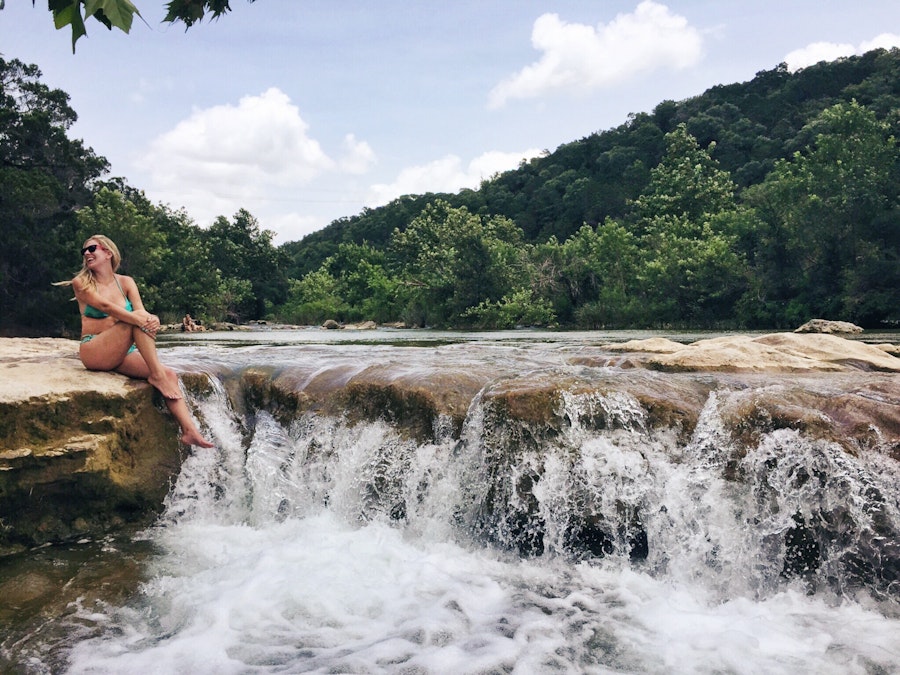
x: 754, y: 205
x: 753, y: 124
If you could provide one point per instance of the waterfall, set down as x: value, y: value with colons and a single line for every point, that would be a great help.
x: 323, y: 543
x: 604, y: 487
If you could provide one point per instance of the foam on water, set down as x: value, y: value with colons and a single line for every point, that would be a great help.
x: 317, y: 595
x: 328, y: 548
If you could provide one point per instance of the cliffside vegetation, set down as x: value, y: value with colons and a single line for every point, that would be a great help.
x: 754, y: 205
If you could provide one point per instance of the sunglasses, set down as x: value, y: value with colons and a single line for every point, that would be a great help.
x: 89, y: 249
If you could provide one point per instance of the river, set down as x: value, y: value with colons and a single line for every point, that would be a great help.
x: 283, y: 549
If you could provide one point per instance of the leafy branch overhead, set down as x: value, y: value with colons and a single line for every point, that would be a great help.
x: 120, y: 13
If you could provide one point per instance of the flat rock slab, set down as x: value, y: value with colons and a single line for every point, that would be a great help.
x: 40, y: 367
x: 776, y: 352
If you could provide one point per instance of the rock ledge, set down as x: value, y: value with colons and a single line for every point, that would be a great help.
x: 81, y: 453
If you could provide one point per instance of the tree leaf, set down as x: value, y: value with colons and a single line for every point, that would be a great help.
x: 119, y: 13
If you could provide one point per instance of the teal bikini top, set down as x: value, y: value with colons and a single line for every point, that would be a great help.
x: 94, y: 313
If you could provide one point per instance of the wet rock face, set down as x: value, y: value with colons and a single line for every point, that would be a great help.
x: 536, y: 440
x: 564, y: 440
x: 83, y: 454
x: 414, y: 402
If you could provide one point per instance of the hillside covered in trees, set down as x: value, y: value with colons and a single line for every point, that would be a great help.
x: 753, y: 205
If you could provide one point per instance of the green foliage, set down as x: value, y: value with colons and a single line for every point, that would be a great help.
x: 44, y: 178
x: 120, y: 13
x: 600, y: 268
x: 314, y: 299
x: 240, y: 249
x: 691, y: 271
x: 520, y: 308
x: 193, y: 11
x: 449, y: 260
x: 829, y: 219
x: 111, y: 13
x: 687, y: 184
x: 757, y: 205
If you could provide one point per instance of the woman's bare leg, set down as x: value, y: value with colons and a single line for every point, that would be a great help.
x: 190, y: 434
x: 159, y: 375
x: 134, y: 365
x: 109, y: 351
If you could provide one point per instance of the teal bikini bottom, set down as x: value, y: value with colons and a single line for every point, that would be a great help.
x: 88, y: 338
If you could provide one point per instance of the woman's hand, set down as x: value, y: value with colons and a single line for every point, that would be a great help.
x: 149, y: 323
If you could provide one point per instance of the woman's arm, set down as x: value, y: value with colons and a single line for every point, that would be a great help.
x: 87, y: 296
x: 151, y: 324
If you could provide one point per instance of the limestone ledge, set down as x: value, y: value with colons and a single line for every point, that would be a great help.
x: 81, y: 453
x: 775, y: 352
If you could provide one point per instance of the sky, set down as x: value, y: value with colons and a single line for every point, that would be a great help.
x: 306, y: 111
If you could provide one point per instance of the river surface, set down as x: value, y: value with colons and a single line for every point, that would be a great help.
x: 271, y: 558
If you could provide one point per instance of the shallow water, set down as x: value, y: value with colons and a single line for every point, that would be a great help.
x: 277, y: 555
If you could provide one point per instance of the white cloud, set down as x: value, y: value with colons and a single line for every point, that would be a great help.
x: 883, y: 41
x: 817, y: 51
x: 830, y: 51
x: 577, y: 57
x: 358, y: 156
x: 228, y: 157
x: 447, y: 175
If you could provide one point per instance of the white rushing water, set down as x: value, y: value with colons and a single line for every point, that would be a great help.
x: 282, y: 552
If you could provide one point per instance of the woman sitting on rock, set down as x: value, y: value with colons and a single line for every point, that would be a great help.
x: 118, y: 334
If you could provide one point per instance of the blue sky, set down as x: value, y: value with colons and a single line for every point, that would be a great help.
x: 305, y: 111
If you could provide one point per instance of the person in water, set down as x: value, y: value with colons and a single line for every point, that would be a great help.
x: 119, y: 334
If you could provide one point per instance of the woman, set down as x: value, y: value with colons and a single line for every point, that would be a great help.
x: 118, y: 334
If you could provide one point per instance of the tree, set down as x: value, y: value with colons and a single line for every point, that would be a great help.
x: 314, y: 299
x: 520, y: 308
x: 687, y: 183
x: 692, y: 273
x: 44, y: 178
x: 189, y: 284
x: 600, y: 270
x: 240, y: 250
x: 120, y: 13
x: 363, y: 283
x: 449, y: 260
x: 830, y: 246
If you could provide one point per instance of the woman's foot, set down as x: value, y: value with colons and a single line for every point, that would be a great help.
x: 193, y: 437
x: 166, y: 386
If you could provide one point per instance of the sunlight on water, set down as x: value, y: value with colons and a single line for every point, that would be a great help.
x: 328, y: 548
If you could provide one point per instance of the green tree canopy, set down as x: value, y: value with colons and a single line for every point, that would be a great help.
x: 692, y: 271
x: 831, y: 218
x: 239, y: 249
x: 44, y: 178
x: 449, y: 260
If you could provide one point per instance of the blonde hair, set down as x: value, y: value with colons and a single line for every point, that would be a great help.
x: 85, y: 275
